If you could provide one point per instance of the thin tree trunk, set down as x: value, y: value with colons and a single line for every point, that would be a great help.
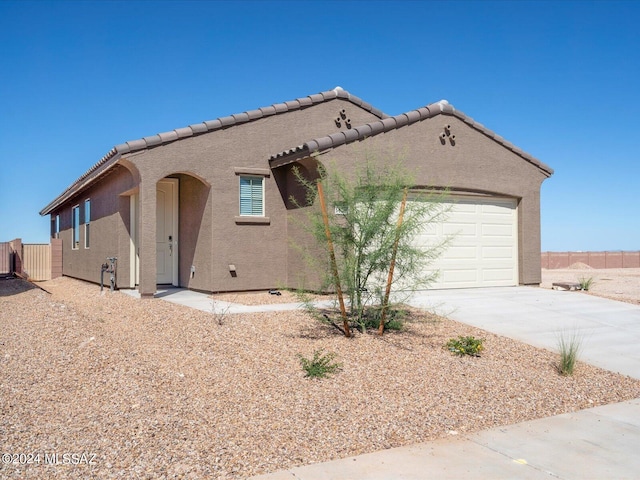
x: 334, y: 266
x: 385, y: 303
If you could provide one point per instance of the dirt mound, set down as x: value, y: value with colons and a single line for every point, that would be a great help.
x: 579, y: 266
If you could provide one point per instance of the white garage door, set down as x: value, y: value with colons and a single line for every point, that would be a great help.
x: 484, y: 249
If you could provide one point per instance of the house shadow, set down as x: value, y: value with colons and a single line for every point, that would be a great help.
x: 10, y: 285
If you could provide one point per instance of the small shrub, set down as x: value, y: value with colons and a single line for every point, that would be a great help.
x: 394, y: 324
x: 368, y: 321
x: 220, y: 311
x: 320, y: 366
x: 569, y: 349
x: 465, y: 346
x: 585, y: 283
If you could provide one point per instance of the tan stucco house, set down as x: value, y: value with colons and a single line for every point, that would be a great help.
x: 208, y: 206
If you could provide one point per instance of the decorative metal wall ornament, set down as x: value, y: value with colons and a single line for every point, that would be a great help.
x: 342, y: 116
x: 446, y: 134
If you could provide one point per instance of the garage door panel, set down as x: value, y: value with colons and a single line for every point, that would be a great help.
x: 430, y: 231
x: 503, y: 275
x: 456, y: 252
x: 464, y: 207
x: 505, y: 253
x: 460, y: 229
x: 497, y: 230
x: 461, y: 276
x: 483, y: 250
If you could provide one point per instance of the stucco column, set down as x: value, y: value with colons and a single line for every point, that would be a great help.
x: 529, y: 238
x: 147, y: 239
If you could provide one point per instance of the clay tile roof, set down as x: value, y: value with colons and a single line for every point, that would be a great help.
x: 137, y: 144
x: 153, y: 140
x: 199, y: 128
x: 184, y: 132
x: 253, y: 114
x: 270, y: 110
x: 280, y: 107
x: 227, y: 121
x: 383, y: 125
x: 110, y: 159
x: 363, y: 130
x: 241, y: 117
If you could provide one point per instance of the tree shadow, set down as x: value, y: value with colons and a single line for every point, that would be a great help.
x: 317, y: 329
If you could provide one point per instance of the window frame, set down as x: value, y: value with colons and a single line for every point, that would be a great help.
x: 87, y: 222
x: 55, y: 226
x: 75, y: 227
x: 252, y: 190
x: 263, y: 173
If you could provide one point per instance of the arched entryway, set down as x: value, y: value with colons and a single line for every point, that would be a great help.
x: 182, y: 244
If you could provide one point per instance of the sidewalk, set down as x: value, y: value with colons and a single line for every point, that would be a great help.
x: 599, y: 443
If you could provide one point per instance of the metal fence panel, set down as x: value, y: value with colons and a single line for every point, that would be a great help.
x: 37, y: 261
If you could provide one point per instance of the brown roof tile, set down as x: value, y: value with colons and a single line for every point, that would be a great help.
x: 391, y: 123
x: 114, y: 154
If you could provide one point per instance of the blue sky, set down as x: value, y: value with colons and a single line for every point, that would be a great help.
x: 561, y: 80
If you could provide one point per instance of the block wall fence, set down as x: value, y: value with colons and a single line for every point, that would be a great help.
x: 552, y: 260
x: 36, y: 262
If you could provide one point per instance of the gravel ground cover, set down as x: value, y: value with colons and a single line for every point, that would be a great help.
x: 621, y: 284
x: 265, y: 297
x: 149, y: 389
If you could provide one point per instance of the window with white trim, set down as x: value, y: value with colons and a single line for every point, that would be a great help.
x: 251, y: 196
x: 75, y: 230
x: 87, y: 221
x: 55, y: 227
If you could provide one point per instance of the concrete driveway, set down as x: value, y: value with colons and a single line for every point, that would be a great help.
x: 597, y: 443
x: 610, y: 330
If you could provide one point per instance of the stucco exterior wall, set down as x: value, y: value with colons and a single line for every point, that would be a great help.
x: 257, y: 250
x: 210, y: 236
x: 474, y: 163
x: 266, y: 251
x: 108, y: 228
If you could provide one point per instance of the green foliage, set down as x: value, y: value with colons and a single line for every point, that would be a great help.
x: 465, y: 346
x: 320, y: 366
x: 585, y: 283
x: 370, y: 320
x: 394, y: 320
x: 569, y: 349
x: 363, y: 222
x: 396, y: 325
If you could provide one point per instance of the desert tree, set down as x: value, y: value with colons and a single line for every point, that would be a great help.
x: 370, y: 234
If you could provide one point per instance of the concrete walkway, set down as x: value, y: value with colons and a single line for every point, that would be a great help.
x: 204, y: 302
x: 597, y: 443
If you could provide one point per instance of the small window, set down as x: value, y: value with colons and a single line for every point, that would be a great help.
x: 251, y: 196
x: 75, y: 222
x: 87, y: 221
x: 55, y: 227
